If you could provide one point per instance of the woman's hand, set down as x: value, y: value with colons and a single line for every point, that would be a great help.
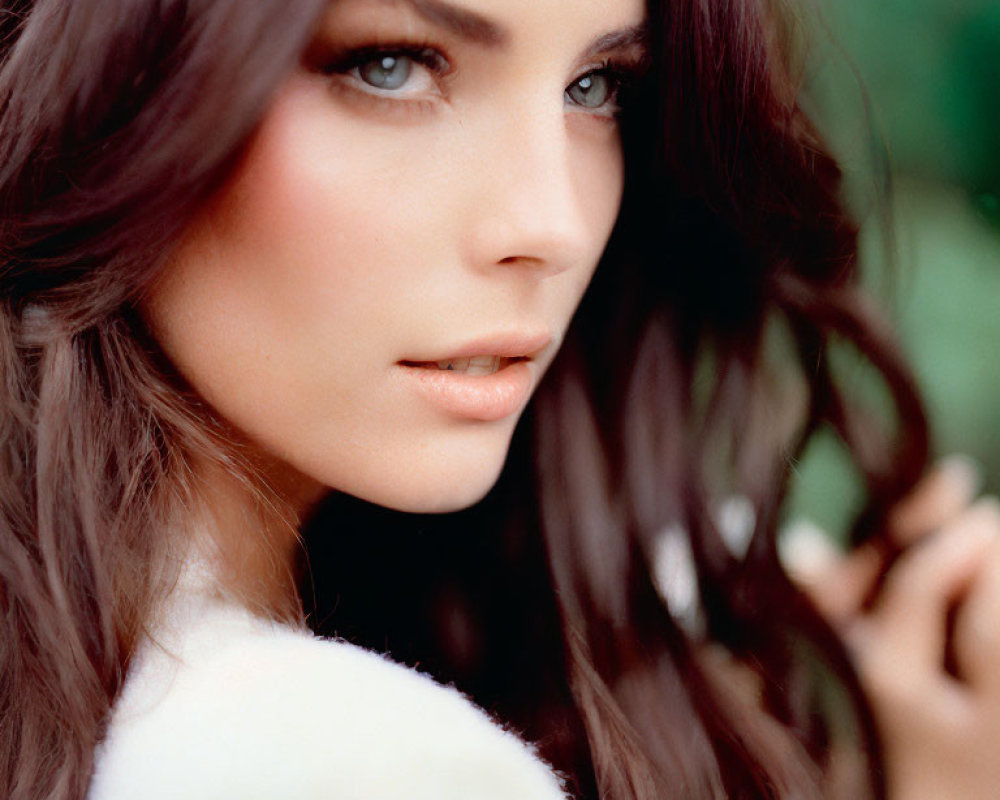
x: 927, y: 648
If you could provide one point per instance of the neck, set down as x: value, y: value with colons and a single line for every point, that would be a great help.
x: 251, y: 528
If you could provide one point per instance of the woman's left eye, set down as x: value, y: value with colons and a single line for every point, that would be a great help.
x: 597, y: 90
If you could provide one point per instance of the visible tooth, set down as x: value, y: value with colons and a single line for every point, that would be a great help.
x: 483, y: 365
x: 455, y: 364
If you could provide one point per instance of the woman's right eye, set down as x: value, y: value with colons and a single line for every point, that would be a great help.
x: 398, y: 72
x: 386, y: 72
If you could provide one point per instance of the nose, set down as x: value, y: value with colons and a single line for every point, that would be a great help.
x: 527, y: 211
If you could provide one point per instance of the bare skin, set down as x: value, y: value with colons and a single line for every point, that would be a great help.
x: 939, y: 726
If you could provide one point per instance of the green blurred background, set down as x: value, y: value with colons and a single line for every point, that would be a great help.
x: 911, y: 89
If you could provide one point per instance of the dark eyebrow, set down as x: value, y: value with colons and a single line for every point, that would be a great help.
x: 474, y: 27
x: 615, y: 40
x: 463, y: 23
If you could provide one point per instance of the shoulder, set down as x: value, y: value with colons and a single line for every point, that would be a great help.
x: 279, y: 713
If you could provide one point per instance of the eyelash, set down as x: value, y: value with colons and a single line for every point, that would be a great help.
x: 423, y: 54
x: 623, y: 74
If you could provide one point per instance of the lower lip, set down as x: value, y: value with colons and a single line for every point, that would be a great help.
x: 486, y: 398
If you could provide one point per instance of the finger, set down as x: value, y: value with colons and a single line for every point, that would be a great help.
x: 840, y: 584
x: 976, y: 642
x: 836, y: 583
x: 910, y: 615
x: 941, y: 495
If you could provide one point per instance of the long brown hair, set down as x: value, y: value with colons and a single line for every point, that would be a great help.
x: 118, y: 119
x: 700, y: 369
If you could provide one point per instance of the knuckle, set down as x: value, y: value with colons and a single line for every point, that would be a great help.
x: 911, y: 576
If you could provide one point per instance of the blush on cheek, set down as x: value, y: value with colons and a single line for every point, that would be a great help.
x: 327, y: 213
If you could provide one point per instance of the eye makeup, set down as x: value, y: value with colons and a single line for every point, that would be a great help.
x: 395, y: 63
x: 413, y: 74
x: 613, y: 81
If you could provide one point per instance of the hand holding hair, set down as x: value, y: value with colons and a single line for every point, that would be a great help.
x: 927, y: 647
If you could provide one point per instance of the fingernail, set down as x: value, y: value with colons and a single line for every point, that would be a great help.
x: 962, y: 471
x: 806, y: 550
x: 988, y: 509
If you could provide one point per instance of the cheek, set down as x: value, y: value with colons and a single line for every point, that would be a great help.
x: 314, y: 232
x: 293, y: 260
x: 273, y: 307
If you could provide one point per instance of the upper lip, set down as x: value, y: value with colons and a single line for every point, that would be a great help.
x: 513, y: 344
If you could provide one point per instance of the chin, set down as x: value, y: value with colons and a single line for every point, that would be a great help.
x: 424, y: 469
x: 431, y: 494
x: 432, y: 479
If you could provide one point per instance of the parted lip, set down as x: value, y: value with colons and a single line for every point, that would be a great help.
x: 514, y: 345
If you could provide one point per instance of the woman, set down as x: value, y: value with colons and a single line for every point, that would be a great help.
x: 252, y: 252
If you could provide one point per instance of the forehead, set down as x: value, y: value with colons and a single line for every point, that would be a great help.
x: 503, y: 22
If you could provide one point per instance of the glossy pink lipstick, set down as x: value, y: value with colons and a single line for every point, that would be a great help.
x: 485, y: 380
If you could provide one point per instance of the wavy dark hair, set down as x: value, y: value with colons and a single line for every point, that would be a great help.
x: 731, y: 273
x: 697, y: 369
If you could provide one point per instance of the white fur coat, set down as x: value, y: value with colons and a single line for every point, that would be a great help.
x: 221, y: 705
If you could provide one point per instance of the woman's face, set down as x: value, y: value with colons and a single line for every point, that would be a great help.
x: 375, y: 293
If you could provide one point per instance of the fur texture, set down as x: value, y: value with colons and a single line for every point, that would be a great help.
x: 221, y: 704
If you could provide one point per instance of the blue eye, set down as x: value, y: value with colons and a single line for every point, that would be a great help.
x: 404, y: 70
x: 593, y: 90
x: 386, y: 71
